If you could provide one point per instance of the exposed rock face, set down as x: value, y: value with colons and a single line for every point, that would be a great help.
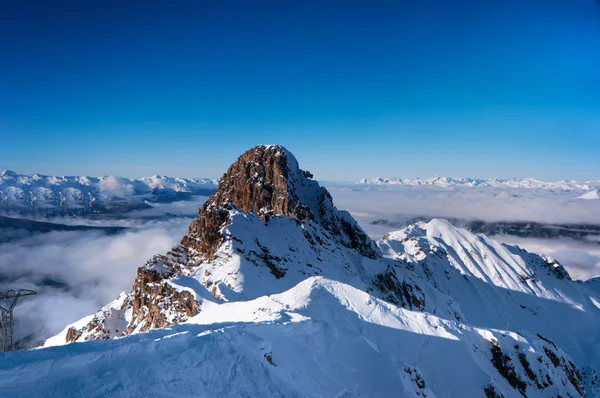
x: 72, y: 334
x: 154, y: 302
x: 403, y: 294
x: 151, y: 295
x: 266, y: 180
x: 258, y: 181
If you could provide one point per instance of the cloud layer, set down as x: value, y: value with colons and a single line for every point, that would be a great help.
x: 581, y: 259
x: 488, y: 204
x: 76, y: 273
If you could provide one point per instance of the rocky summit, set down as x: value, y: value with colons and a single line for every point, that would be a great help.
x: 273, y: 291
x: 262, y: 184
x: 266, y: 180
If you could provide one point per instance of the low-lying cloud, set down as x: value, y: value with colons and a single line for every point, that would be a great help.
x: 487, y: 204
x: 76, y: 273
x: 581, y: 259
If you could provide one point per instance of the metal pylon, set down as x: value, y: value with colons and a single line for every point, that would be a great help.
x: 8, y: 301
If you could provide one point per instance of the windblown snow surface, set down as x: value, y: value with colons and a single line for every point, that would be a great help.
x: 327, y: 339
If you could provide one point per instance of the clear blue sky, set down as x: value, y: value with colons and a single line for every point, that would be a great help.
x: 484, y: 88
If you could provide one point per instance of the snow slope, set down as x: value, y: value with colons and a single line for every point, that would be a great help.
x: 40, y: 195
x: 445, y: 182
x: 327, y: 339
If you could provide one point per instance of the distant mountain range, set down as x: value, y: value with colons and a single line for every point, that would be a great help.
x: 36, y: 195
x: 40, y: 195
x: 445, y: 182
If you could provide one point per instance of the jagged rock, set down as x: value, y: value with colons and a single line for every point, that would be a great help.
x: 72, y: 334
x: 407, y: 295
x: 151, y: 295
x: 266, y: 180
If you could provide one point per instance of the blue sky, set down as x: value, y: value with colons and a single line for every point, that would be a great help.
x: 489, y: 88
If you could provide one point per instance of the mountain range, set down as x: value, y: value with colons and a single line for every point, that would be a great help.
x: 445, y: 182
x: 36, y: 195
x: 48, y: 196
x: 273, y: 291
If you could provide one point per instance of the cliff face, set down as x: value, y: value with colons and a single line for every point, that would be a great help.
x: 266, y: 180
x: 258, y: 181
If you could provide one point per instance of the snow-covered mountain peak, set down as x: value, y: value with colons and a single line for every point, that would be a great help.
x: 8, y: 174
x: 499, y: 264
x: 439, y: 310
x: 267, y: 181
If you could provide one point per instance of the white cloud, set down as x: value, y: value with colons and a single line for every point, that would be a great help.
x: 488, y: 204
x: 581, y: 259
x: 94, y: 266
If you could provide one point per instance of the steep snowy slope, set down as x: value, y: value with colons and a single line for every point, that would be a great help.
x: 39, y: 195
x: 326, y: 339
x: 270, y: 264
x: 444, y: 182
x: 503, y: 286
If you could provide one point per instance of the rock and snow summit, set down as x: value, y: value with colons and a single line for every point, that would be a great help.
x: 270, y: 265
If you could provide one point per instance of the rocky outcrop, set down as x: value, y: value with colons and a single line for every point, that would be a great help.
x: 152, y: 303
x: 405, y: 294
x: 258, y: 181
x: 266, y: 180
x: 155, y: 303
x: 72, y: 334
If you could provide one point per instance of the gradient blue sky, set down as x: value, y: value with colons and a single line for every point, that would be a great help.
x: 487, y: 88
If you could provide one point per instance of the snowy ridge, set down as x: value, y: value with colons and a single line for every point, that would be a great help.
x: 477, y: 256
x: 40, y: 195
x: 446, y: 182
x: 309, y: 330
